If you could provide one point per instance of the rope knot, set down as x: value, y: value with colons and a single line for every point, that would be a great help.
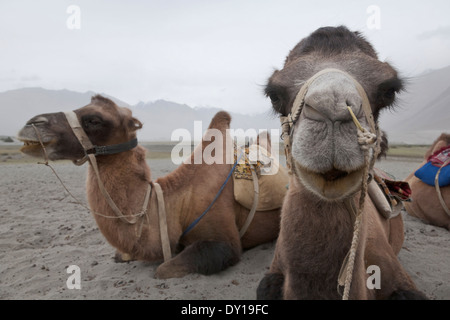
x: 366, y: 139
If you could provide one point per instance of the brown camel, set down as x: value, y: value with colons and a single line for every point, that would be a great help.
x: 211, y: 246
x: 425, y: 203
x: 329, y: 166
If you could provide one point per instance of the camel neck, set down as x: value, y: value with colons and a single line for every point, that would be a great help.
x: 126, y: 177
x: 324, y: 230
x: 327, y: 226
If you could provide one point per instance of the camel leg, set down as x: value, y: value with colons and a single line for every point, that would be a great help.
x: 394, y: 275
x: 396, y: 284
x: 205, y: 257
x: 270, y: 287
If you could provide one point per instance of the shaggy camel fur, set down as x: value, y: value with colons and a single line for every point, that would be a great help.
x: 425, y: 203
x: 213, y: 245
x: 327, y: 170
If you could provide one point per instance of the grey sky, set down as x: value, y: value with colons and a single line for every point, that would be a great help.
x: 203, y: 53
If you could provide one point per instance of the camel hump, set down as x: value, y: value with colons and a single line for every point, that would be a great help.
x: 444, y: 136
x: 439, y: 143
x: 221, y: 121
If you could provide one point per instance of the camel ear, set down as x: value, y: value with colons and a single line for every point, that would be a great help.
x: 134, y: 124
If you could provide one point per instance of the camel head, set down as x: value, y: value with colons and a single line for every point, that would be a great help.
x: 326, y: 156
x: 102, y: 120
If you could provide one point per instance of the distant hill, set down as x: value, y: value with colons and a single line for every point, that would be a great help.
x: 18, y: 106
x: 160, y: 118
x: 423, y: 111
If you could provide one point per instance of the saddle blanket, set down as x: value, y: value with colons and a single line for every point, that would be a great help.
x: 272, y: 179
x: 388, y: 194
x: 427, y: 173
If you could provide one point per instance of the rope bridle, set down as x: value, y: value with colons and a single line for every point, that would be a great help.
x: 367, y: 139
x: 288, y: 122
x: 91, y: 151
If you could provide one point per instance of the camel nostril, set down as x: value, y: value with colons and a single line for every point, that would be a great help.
x: 37, y: 121
x: 313, y: 114
x: 356, y: 107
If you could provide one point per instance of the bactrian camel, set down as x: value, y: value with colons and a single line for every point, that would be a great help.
x: 211, y: 246
x: 426, y: 204
x: 325, y: 78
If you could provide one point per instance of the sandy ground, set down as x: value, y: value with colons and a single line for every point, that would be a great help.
x: 43, y: 231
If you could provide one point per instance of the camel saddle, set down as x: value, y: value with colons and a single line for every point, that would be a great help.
x: 388, y: 194
x: 438, y: 161
x: 272, y: 179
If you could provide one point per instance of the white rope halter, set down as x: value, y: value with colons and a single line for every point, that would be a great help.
x: 366, y: 139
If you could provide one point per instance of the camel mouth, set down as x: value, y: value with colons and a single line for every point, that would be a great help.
x: 334, y: 174
x: 332, y: 185
x: 32, y: 147
x: 27, y: 143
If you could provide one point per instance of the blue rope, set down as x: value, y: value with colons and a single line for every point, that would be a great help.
x: 194, y: 223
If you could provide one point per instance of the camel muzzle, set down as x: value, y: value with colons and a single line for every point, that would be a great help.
x: 288, y: 122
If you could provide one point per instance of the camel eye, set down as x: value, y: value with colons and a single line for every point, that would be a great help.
x: 274, y: 97
x: 92, y: 122
x: 277, y: 95
x: 388, y: 90
x: 390, y: 94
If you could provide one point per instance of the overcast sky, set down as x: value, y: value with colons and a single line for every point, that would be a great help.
x: 203, y: 53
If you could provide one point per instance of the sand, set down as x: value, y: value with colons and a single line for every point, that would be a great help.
x: 43, y: 231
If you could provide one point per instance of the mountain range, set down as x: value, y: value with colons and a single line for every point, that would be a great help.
x: 160, y: 118
x: 421, y: 114
x: 423, y: 109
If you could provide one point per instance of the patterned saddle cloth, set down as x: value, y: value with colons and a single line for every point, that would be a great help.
x: 427, y: 173
x: 243, y: 168
x: 388, y: 194
x: 272, y: 178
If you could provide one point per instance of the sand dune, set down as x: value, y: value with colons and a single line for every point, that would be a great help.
x: 43, y: 231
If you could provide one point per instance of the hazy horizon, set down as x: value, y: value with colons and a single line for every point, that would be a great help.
x: 200, y: 53
x: 411, y: 77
